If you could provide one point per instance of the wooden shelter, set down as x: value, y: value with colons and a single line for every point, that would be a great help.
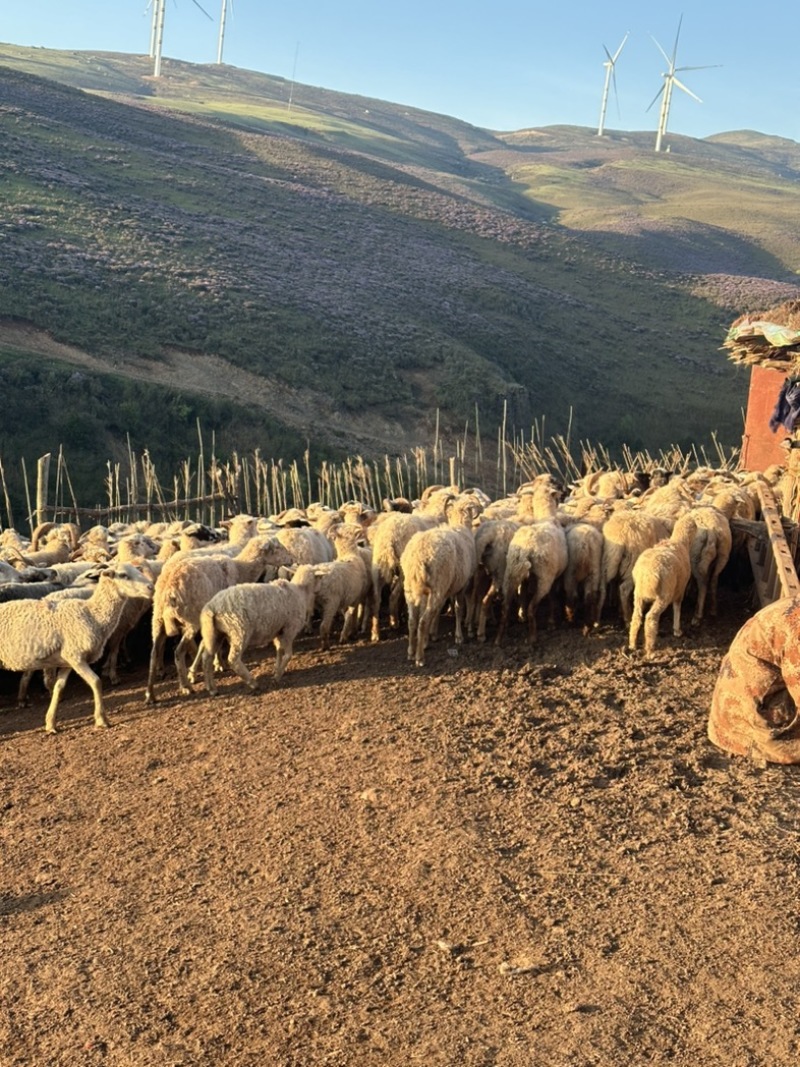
x: 770, y: 344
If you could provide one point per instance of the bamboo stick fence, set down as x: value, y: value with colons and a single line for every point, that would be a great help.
x: 209, y: 488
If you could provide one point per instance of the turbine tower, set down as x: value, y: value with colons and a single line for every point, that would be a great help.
x: 157, y: 32
x: 159, y: 9
x: 610, y: 76
x: 670, y: 81
x: 222, y: 17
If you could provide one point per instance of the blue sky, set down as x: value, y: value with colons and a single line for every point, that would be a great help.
x: 503, y: 65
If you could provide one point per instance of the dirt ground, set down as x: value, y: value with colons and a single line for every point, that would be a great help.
x: 509, y: 857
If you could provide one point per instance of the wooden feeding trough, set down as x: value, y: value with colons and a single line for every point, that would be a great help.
x: 770, y: 344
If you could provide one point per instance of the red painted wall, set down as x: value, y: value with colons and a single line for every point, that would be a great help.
x: 761, y: 448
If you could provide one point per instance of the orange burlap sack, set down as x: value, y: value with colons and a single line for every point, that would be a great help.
x: 755, y: 700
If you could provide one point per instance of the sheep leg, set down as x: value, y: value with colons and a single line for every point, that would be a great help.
x: 414, y: 611
x: 348, y: 624
x: 185, y: 646
x: 626, y: 598
x: 58, y: 688
x: 651, y: 621
x: 237, y: 665
x: 530, y: 615
x: 459, y: 610
x: 395, y: 600
x: 22, y: 692
x: 325, y: 627
x: 483, y: 610
x: 156, y: 659
x: 676, y: 619
x: 426, y: 623
x: 636, y: 621
x: 505, y: 611
x: 283, y: 653
x: 208, y: 672
x: 197, y: 662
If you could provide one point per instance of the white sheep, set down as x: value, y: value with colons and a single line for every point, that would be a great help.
x: 626, y: 534
x: 184, y: 587
x: 583, y: 575
x: 388, y: 536
x: 438, y: 565
x: 711, y: 549
x: 305, y: 544
x: 660, y: 577
x: 68, y: 635
x: 255, y: 614
x: 537, y: 557
x: 341, y: 586
x: 492, y: 539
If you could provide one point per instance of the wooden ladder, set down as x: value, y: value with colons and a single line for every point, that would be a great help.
x: 771, y: 557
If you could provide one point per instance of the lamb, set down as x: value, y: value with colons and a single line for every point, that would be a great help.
x: 341, y: 586
x: 186, y: 585
x: 626, y: 534
x: 710, y: 552
x: 492, y: 539
x: 389, y: 536
x: 438, y: 564
x: 584, y: 571
x: 68, y: 635
x: 305, y: 544
x: 256, y: 613
x: 660, y: 577
x: 537, y: 556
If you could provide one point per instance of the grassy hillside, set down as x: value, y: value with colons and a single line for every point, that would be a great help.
x: 338, y: 270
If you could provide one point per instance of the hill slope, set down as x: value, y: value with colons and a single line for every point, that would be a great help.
x: 339, y: 269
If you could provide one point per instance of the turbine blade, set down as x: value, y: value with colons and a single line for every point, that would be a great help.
x: 708, y: 66
x: 616, y: 54
x: 677, y: 35
x: 661, y: 50
x: 660, y: 91
x: 689, y: 91
x: 196, y: 4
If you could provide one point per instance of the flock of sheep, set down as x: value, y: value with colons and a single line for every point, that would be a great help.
x: 68, y: 599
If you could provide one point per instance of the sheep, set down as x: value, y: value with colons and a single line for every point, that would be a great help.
x: 492, y: 539
x: 583, y: 575
x: 537, y: 556
x: 710, y: 552
x: 68, y: 635
x: 305, y: 544
x: 626, y: 534
x: 183, y: 588
x: 341, y: 586
x: 660, y: 577
x: 437, y: 565
x: 255, y: 613
x: 389, y: 536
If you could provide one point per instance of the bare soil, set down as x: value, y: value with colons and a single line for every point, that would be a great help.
x: 510, y: 857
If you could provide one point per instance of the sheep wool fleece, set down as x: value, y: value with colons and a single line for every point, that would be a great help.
x: 757, y: 693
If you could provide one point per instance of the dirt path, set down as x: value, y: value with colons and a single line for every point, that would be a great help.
x: 510, y: 857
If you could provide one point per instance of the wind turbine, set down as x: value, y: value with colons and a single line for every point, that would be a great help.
x: 610, y: 76
x: 222, y: 17
x: 157, y: 34
x: 670, y: 80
